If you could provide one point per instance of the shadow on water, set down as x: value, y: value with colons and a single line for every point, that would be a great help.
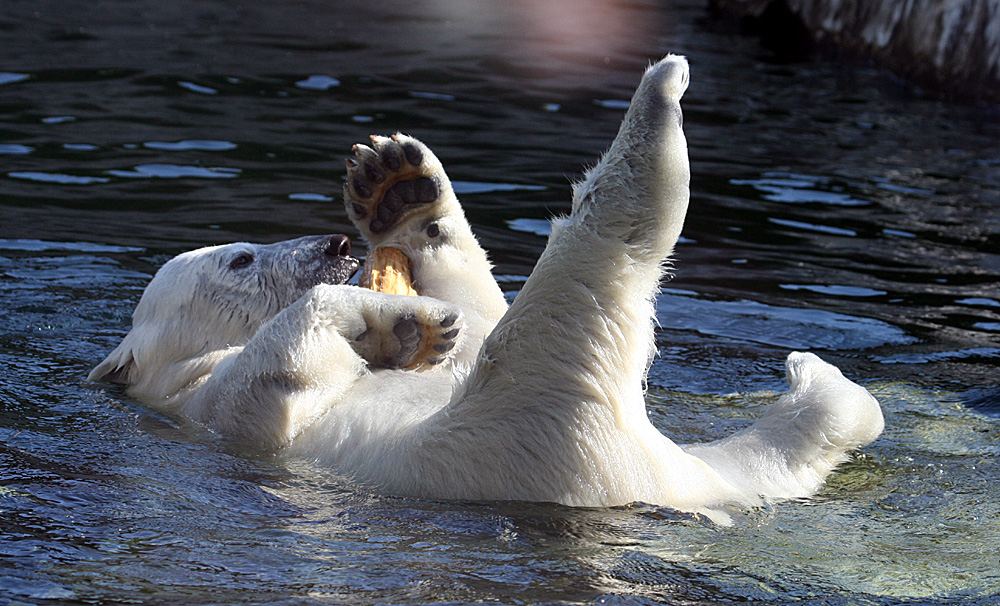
x: 832, y: 211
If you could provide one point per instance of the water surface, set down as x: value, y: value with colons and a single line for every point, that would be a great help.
x: 832, y: 210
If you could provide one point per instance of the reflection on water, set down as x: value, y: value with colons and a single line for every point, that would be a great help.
x: 790, y: 328
x: 831, y: 211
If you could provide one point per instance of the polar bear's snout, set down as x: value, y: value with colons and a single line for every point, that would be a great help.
x: 329, y: 258
x: 338, y: 245
x: 338, y: 250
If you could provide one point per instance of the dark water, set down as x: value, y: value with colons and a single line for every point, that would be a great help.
x: 832, y: 210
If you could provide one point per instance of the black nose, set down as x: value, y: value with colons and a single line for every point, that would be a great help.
x: 338, y: 246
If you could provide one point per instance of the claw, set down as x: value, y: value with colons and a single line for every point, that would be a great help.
x: 364, y: 153
x: 379, y: 141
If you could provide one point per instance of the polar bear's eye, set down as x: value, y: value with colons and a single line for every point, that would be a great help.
x: 240, y: 261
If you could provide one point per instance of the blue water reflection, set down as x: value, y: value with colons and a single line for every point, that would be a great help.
x: 789, y: 328
x: 832, y: 210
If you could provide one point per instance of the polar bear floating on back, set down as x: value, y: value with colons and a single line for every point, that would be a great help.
x: 450, y: 394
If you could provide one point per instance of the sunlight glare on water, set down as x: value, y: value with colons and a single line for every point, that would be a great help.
x: 832, y: 211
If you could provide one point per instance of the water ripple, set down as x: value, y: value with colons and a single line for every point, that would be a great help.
x: 176, y: 171
x: 42, y: 245
x: 15, y: 149
x: 196, y: 144
x: 12, y: 77
x: 57, y: 178
x: 318, y: 82
x: 786, y: 327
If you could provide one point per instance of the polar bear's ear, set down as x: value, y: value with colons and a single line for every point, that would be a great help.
x: 117, y: 367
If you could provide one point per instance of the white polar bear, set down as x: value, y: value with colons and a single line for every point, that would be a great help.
x: 548, y: 407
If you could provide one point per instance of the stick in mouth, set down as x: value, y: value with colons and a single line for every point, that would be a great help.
x: 387, y: 270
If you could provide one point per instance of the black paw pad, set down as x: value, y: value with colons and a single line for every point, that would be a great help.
x: 416, y: 191
x: 388, y: 182
x: 413, y: 154
x: 374, y: 173
x: 407, y: 331
x: 399, y: 197
x: 444, y: 347
x: 361, y: 187
x: 392, y: 157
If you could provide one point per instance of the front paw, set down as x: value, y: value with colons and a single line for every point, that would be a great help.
x: 395, y: 179
x: 420, y: 337
x: 424, y: 343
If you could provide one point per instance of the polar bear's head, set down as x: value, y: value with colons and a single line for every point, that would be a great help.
x: 203, y: 304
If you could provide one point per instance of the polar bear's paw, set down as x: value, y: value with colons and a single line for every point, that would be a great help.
x: 395, y: 179
x: 417, y: 337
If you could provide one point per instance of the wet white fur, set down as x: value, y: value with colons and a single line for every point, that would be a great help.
x: 552, y: 408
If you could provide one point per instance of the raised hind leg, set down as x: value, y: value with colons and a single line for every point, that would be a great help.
x: 584, y: 318
x: 554, y: 408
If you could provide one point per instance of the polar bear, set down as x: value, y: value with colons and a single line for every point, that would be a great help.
x: 451, y: 394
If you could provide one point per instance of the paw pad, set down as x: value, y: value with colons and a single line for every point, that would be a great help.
x: 407, y: 331
x: 419, y: 339
x: 387, y: 182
